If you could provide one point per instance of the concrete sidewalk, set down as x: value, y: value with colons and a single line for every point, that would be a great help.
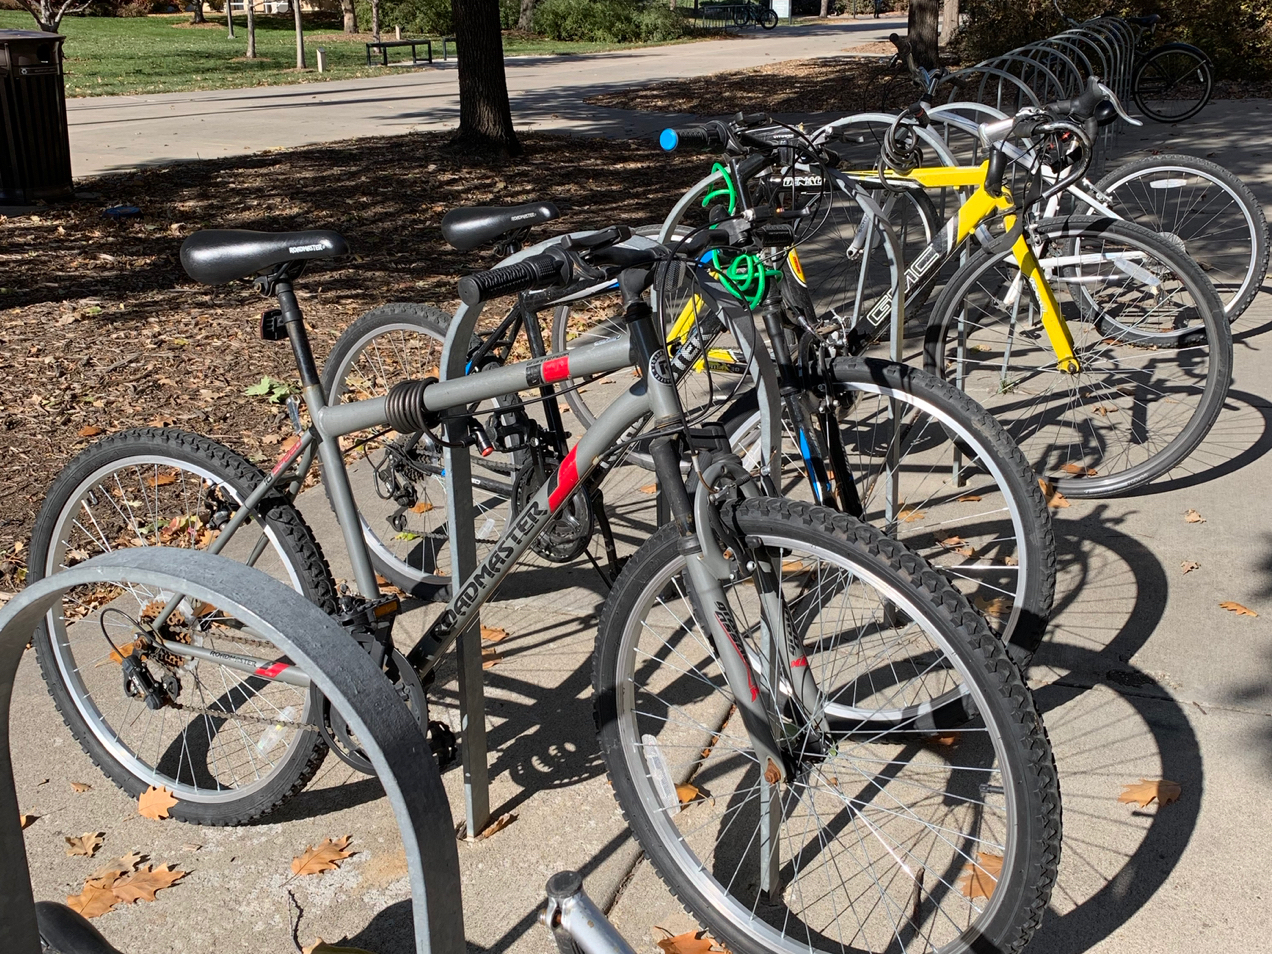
x: 112, y: 133
x: 1143, y: 676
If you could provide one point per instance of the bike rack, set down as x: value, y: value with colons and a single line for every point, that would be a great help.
x: 340, y: 669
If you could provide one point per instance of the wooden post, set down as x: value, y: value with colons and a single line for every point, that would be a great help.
x: 300, y: 36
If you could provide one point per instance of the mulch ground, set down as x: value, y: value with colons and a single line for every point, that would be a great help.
x: 839, y: 84
x: 100, y: 329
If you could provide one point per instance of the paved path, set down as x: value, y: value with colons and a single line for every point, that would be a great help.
x: 547, y: 92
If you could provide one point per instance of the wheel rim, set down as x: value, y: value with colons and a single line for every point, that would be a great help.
x: 124, y: 726
x: 1173, y: 85
x: 806, y: 919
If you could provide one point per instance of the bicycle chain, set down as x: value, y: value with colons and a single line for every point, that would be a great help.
x: 260, y: 720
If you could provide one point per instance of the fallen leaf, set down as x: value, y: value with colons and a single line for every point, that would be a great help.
x: 948, y: 739
x: 133, y: 859
x: 998, y: 606
x: 1189, y: 565
x: 498, y: 825
x: 1237, y: 608
x: 117, y: 655
x: 1192, y: 516
x: 794, y: 566
x: 86, y: 844
x: 1079, y: 471
x: 490, y: 657
x: 291, y: 442
x: 322, y: 947
x: 154, y: 803
x: 958, y: 545
x: 1145, y: 791
x: 93, y: 901
x: 1011, y: 561
x: 1102, y: 411
x: 909, y: 516
x: 492, y: 635
x: 326, y: 857
x: 142, y: 885
x: 89, y: 431
x: 691, y: 942
x: 1054, y: 497
x: 980, y: 879
x: 968, y: 498
x: 161, y: 480
x: 190, y: 846
x: 26, y: 821
x: 422, y: 507
x: 687, y: 793
x: 649, y: 489
x: 81, y: 787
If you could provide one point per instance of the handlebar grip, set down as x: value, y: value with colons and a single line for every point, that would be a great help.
x: 1082, y: 107
x: 690, y: 137
x: 543, y: 269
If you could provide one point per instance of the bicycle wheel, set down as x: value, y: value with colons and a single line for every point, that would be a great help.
x: 241, y: 745
x: 934, y: 470
x: 1154, y: 346
x: 1211, y: 213
x: 768, y: 18
x: 1172, y: 83
x: 879, y: 843
x: 398, y: 480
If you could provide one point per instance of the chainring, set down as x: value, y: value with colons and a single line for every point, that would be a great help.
x: 570, y: 530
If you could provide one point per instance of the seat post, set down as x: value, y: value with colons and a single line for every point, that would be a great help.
x: 294, y: 322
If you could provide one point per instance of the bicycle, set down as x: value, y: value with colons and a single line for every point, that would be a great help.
x: 1132, y: 337
x: 753, y: 14
x: 762, y: 647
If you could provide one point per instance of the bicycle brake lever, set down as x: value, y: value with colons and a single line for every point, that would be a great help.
x: 1111, y: 97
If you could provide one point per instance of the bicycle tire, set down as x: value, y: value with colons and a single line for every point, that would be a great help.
x: 1193, y: 220
x: 60, y: 535
x: 412, y: 556
x: 952, y: 516
x: 768, y: 19
x: 1078, y: 464
x: 711, y: 866
x: 1161, y: 72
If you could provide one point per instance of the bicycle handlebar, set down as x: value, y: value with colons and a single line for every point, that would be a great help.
x: 547, y: 268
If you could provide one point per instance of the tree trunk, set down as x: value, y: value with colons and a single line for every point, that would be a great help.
x: 251, y: 29
x: 485, y: 118
x: 921, y: 32
x: 350, y: 16
x: 229, y: 16
x: 825, y: 9
x: 375, y: 18
x: 45, y: 15
x: 949, y: 21
x: 300, y: 37
x: 525, y: 22
x: 198, y: 12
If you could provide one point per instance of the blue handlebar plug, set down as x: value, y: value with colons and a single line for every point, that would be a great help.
x: 668, y: 140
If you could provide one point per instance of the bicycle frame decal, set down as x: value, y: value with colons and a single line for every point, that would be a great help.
x: 564, y: 480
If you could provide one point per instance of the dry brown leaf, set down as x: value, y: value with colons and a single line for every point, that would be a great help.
x: 1011, y: 561
x: 968, y: 498
x: 998, y: 606
x: 980, y: 880
x: 949, y: 739
x: 117, y: 655
x: 322, y: 947
x: 161, y: 480
x: 154, y: 803
x: 1054, y: 497
x: 794, y: 566
x: 1080, y: 471
x: 142, y: 885
x: 909, y: 516
x: 26, y: 821
x: 81, y: 787
x: 1101, y: 410
x: 687, y: 793
x: 1147, y: 790
x: 422, y: 507
x: 89, y: 431
x: 649, y: 489
x: 326, y: 857
x: 1192, y: 516
x: 291, y: 442
x: 691, y: 942
x: 191, y: 846
x: 490, y: 657
x: 86, y: 844
x: 1189, y: 565
x: 1237, y: 608
x: 93, y: 901
x: 492, y: 635
x: 498, y: 825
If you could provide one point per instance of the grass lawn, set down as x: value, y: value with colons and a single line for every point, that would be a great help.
x: 109, y: 56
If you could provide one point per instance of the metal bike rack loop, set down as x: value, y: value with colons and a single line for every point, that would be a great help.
x: 341, y: 670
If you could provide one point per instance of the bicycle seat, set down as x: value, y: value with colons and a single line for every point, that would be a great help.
x: 218, y: 256
x: 1148, y: 21
x: 465, y: 229
x: 63, y: 931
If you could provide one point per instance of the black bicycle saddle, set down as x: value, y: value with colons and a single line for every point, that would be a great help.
x: 468, y: 228
x: 217, y: 256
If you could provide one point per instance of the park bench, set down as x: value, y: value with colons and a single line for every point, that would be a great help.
x: 382, y: 47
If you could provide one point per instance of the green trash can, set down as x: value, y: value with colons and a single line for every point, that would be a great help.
x: 35, y: 151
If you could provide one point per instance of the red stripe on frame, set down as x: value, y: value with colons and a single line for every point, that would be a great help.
x: 269, y: 672
x: 556, y: 369
x: 567, y: 478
